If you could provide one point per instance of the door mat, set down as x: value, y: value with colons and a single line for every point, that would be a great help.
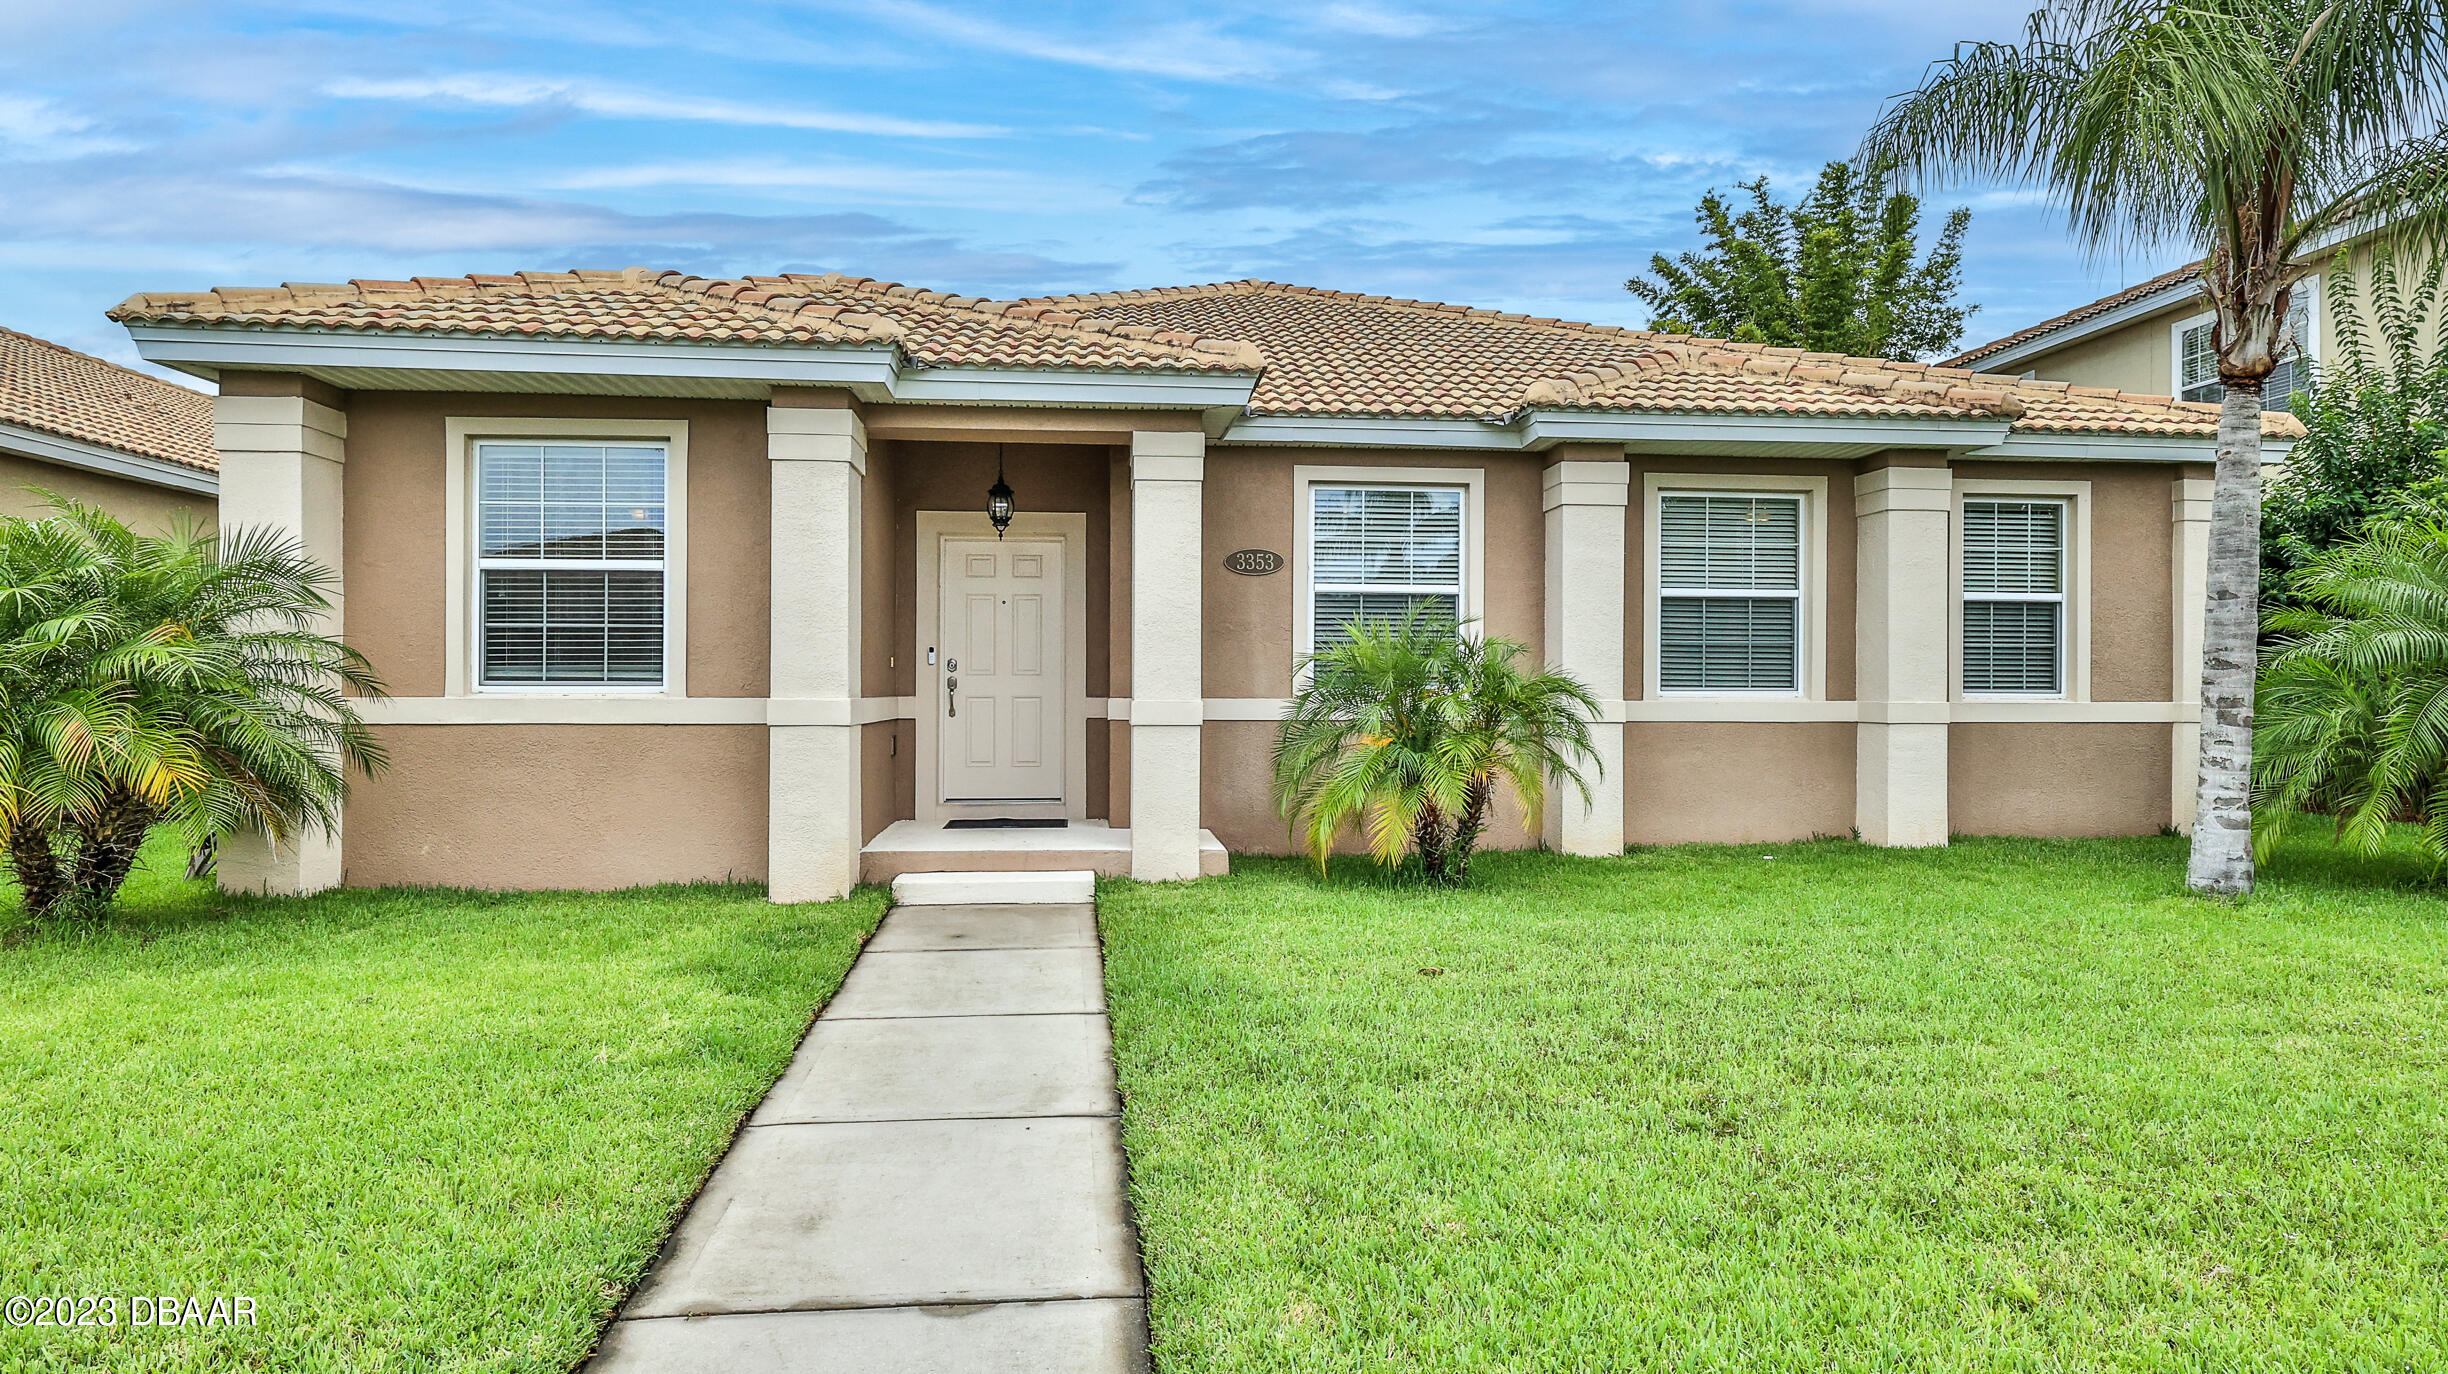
x: 1005, y: 823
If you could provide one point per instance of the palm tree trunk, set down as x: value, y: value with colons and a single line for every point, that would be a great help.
x: 1428, y: 837
x: 110, y: 843
x: 1474, y: 820
x: 2231, y: 633
x: 41, y: 886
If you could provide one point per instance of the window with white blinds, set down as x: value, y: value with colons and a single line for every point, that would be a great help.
x: 2197, y: 374
x: 2014, y: 599
x: 570, y: 567
x: 1729, y: 593
x: 1376, y: 552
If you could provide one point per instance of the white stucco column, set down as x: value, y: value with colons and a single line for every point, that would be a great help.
x: 2189, y: 561
x: 819, y: 461
x: 281, y: 460
x: 1168, y: 471
x: 1585, y: 500
x: 1900, y: 654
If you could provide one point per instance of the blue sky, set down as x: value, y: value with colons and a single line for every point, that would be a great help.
x: 1525, y: 157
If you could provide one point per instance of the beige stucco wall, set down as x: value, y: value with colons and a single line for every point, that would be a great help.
x: 146, y: 508
x: 1723, y: 783
x: 396, y: 529
x: 2057, y: 779
x: 560, y: 806
x: 2135, y: 356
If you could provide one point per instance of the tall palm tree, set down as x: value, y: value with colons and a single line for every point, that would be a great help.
x: 2251, y: 132
x: 161, y: 680
x: 1405, y: 731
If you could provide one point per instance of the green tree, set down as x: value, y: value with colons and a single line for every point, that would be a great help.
x: 161, y: 680
x: 1406, y: 730
x: 1839, y: 273
x: 2354, y: 695
x: 2376, y: 423
x: 2244, y: 131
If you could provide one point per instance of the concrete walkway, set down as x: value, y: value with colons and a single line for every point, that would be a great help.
x: 935, y: 1185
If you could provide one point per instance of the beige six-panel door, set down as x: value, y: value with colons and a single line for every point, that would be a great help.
x: 1000, y: 707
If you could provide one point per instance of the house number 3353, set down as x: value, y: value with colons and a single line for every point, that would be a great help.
x: 1253, y: 562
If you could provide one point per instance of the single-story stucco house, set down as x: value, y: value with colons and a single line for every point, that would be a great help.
x: 79, y: 426
x: 677, y: 578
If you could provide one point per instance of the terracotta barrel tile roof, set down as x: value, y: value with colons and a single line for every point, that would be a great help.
x: 76, y: 396
x: 1335, y: 352
x: 933, y: 328
x: 1316, y: 352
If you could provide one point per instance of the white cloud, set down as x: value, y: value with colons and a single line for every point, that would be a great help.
x: 1377, y: 21
x: 34, y: 129
x: 874, y: 182
x: 520, y: 92
x: 1192, y: 52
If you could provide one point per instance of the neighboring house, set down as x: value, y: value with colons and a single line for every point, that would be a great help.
x: 139, y: 447
x: 2154, y: 336
x: 676, y: 578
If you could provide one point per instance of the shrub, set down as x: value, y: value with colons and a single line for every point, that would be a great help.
x: 1406, y: 730
x: 172, y: 680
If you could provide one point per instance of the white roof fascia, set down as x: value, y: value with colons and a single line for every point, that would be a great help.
x: 77, y: 453
x: 2109, y: 448
x: 204, y: 350
x: 1543, y: 427
x: 1368, y: 431
x: 1066, y: 387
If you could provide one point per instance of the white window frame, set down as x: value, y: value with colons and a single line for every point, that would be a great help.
x: 1471, y: 482
x: 2308, y: 291
x: 464, y: 627
x: 1810, y: 652
x: 2073, y: 622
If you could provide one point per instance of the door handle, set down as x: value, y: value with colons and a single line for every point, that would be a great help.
x: 951, y: 695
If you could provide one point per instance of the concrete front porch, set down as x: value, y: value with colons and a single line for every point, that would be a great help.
x: 1094, y: 846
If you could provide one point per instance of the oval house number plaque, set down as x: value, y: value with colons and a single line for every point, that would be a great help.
x: 1253, y: 562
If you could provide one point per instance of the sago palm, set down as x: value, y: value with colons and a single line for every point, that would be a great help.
x: 173, y: 680
x: 2354, y: 696
x: 2250, y: 132
x: 1404, y: 732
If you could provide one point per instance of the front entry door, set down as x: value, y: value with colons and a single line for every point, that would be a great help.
x: 999, y: 690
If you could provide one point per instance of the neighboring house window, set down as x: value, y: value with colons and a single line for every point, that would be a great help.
x: 2197, y: 373
x: 1377, y: 551
x: 1729, y: 593
x: 570, y: 564
x: 2014, y: 597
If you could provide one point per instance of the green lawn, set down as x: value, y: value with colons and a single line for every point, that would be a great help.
x: 2013, y: 1105
x: 423, y: 1130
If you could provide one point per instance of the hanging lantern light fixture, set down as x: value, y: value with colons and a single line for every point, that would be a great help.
x: 999, y: 506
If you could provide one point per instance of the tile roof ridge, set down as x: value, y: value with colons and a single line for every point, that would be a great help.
x: 359, y: 290
x: 163, y: 383
x: 1144, y: 293
x: 2008, y: 396
x: 837, y: 320
x: 1041, y: 316
x: 2149, y: 286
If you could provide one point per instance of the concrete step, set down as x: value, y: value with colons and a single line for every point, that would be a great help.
x: 996, y: 889
x: 910, y: 847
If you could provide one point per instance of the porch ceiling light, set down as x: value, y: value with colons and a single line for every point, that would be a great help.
x: 999, y: 507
